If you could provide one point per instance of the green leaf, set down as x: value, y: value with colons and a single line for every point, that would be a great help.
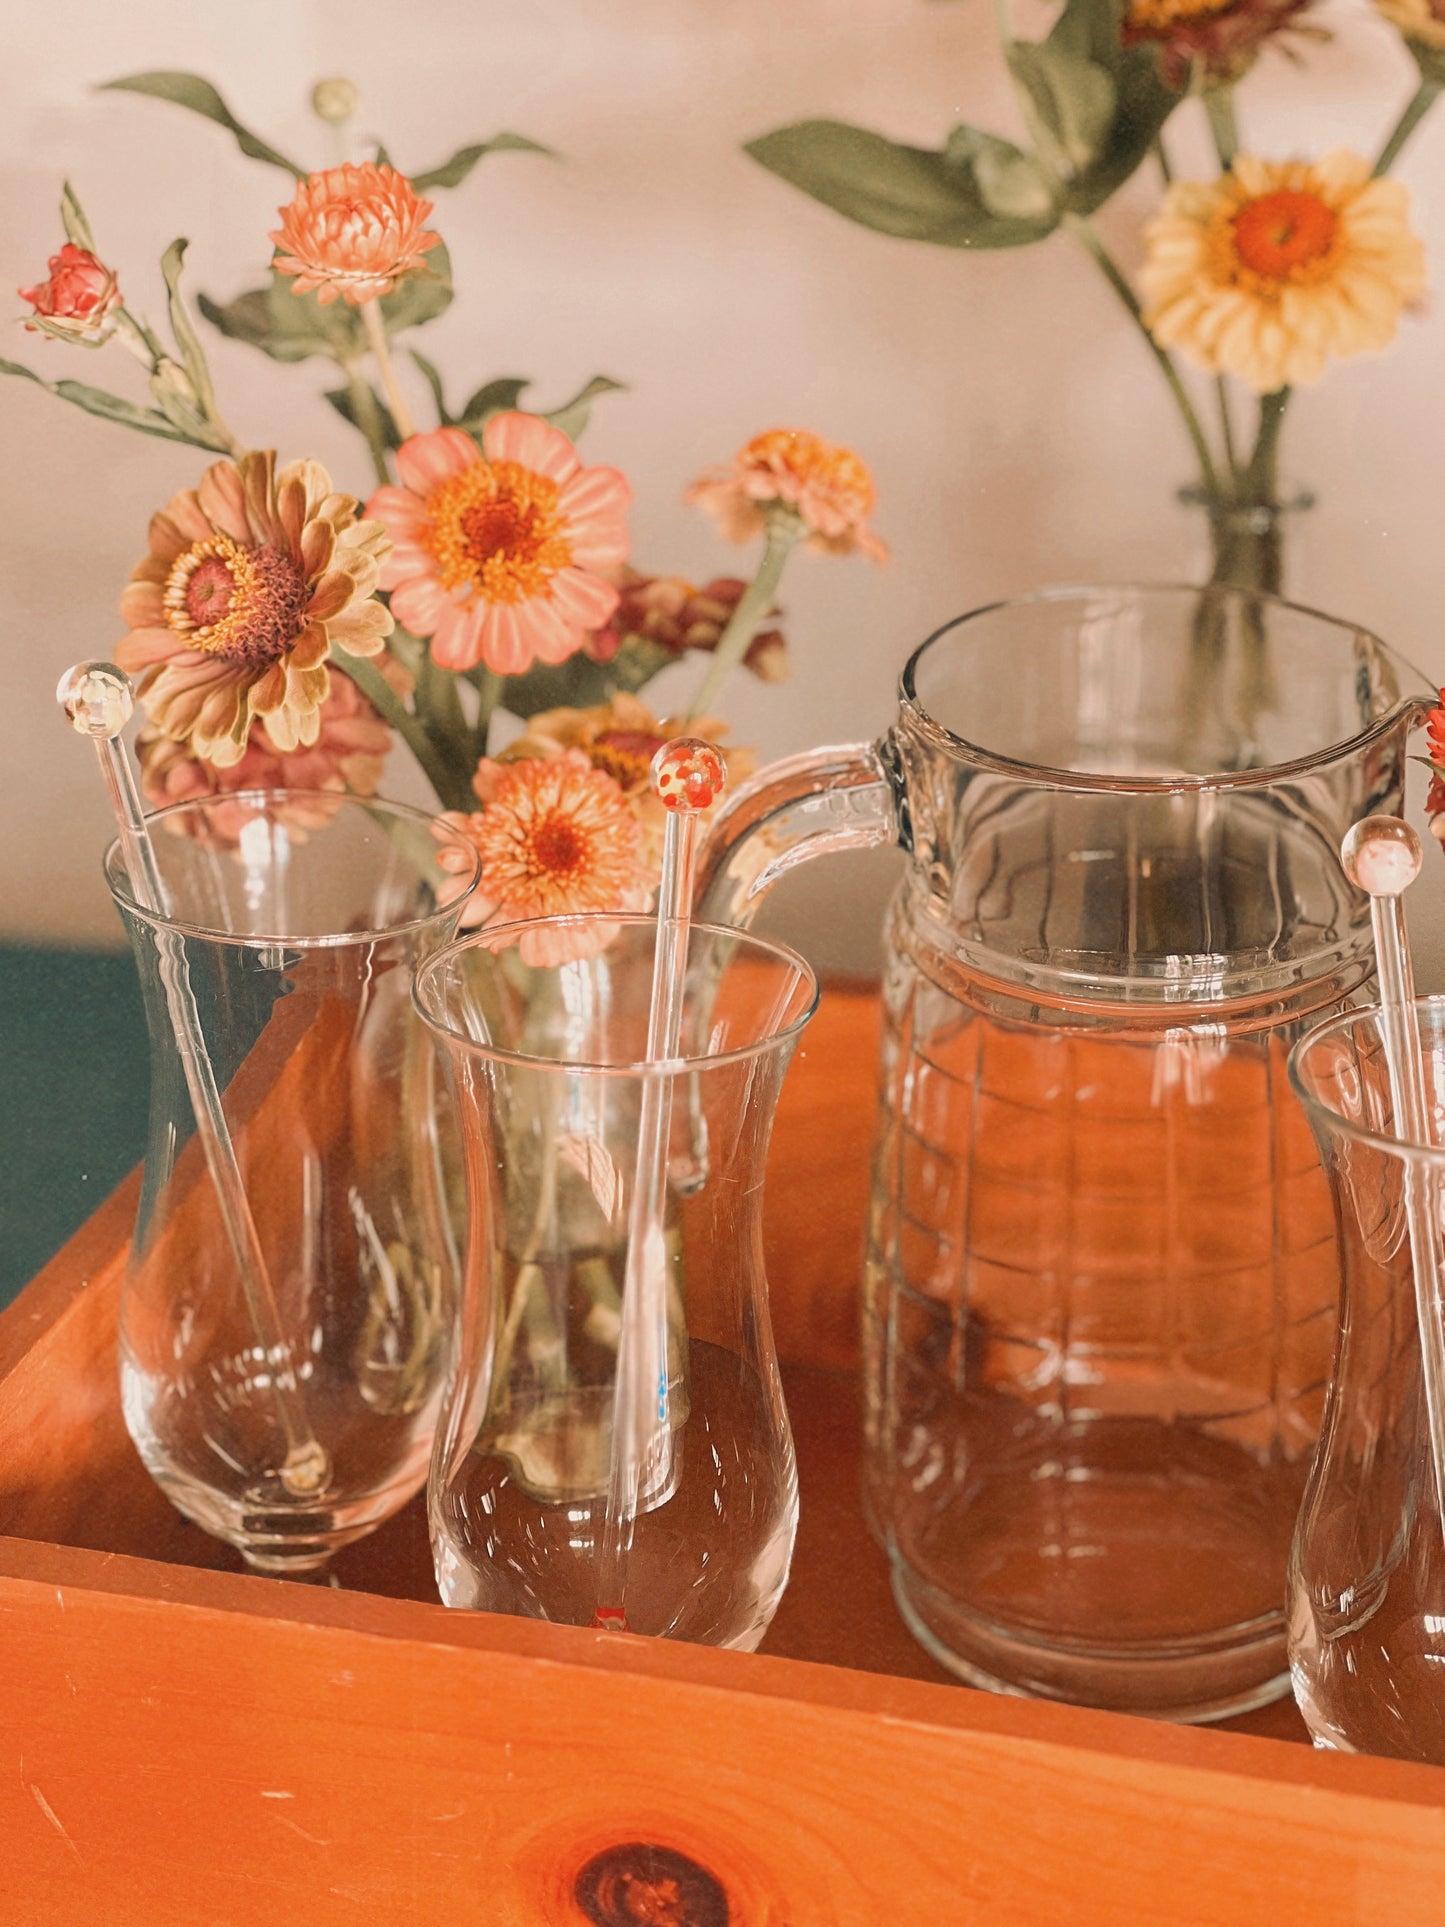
x: 432, y: 376
x: 95, y: 401
x: 1089, y: 31
x: 909, y: 192
x: 572, y: 416
x: 453, y: 172
x: 183, y: 328
x: 190, y: 91
x: 286, y: 325
x: 577, y: 683
x: 420, y: 297
x: 72, y: 216
x: 494, y: 398
x: 1010, y: 182
x: 1073, y: 101
x: 342, y: 401
x: 638, y: 661
x: 383, y: 159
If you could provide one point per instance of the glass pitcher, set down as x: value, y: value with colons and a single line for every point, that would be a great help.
x: 1100, y: 1276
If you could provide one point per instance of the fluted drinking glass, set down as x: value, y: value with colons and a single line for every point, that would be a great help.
x: 294, y: 923
x: 547, y: 1060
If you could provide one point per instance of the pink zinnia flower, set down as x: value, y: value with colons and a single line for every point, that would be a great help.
x: 498, y: 554
x: 556, y: 839
x: 79, y: 300
x: 828, y: 488
x: 353, y: 231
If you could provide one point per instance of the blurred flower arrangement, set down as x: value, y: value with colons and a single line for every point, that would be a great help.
x: 487, y: 573
x: 1257, y: 279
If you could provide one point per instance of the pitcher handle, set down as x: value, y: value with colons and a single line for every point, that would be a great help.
x: 845, y: 797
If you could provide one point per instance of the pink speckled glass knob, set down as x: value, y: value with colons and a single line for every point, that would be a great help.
x: 688, y: 774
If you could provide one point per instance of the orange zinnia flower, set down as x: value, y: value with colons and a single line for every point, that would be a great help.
x: 622, y: 737
x: 828, y: 488
x: 353, y: 231
x: 499, y: 551
x: 556, y: 839
x: 1216, y: 39
x: 249, y: 581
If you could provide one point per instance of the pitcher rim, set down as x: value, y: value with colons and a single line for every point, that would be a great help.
x: 1143, y: 782
x: 658, y: 1067
x: 1340, y: 1125
x: 113, y: 867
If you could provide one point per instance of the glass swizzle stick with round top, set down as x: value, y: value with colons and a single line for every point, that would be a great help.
x: 97, y: 699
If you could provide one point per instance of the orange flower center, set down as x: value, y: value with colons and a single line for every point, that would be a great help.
x: 556, y: 848
x: 1281, y: 236
x: 625, y: 754
x: 248, y: 604
x: 496, y: 529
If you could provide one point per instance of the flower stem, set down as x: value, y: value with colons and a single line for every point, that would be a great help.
x: 1416, y: 108
x: 489, y: 693
x: 1264, y: 464
x: 368, y: 418
x: 1080, y: 227
x: 1219, y: 109
x: 451, y: 793
x: 1226, y: 425
x: 784, y: 529
x: 376, y: 340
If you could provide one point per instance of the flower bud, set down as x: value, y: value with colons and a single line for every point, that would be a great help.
x: 335, y: 101
x: 78, y: 302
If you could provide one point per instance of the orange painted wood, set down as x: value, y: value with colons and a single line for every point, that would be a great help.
x: 817, y: 1183
x: 190, y: 1745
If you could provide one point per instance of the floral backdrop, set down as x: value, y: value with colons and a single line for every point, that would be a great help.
x: 1013, y: 434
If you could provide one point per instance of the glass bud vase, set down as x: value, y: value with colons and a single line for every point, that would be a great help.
x: 282, y: 1351
x: 545, y: 1029
x: 1367, y: 1573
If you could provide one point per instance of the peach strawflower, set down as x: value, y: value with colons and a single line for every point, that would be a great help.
x: 500, y: 551
x: 621, y: 737
x: 250, y: 580
x: 353, y: 231
x: 347, y: 756
x: 1279, y: 267
x: 1212, y: 40
x: 828, y: 489
x: 670, y: 611
x: 78, y: 302
x: 556, y: 838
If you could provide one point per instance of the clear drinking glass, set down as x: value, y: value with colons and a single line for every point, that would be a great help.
x: 546, y: 1061
x: 295, y: 920
x: 1099, y: 1289
x: 1367, y: 1574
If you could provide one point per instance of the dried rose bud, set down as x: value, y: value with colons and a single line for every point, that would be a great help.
x: 78, y: 302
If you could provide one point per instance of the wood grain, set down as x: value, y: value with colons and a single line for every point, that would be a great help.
x: 248, y: 1750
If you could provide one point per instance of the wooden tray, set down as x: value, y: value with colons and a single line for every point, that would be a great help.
x: 184, y: 1743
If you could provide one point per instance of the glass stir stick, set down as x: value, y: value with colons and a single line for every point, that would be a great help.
x: 97, y: 699
x: 1381, y: 855
x: 687, y: 776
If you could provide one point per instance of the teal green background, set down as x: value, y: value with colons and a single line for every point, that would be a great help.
x: 74, y: 1081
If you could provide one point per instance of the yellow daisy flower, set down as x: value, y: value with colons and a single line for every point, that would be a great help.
x: 1279, y: 267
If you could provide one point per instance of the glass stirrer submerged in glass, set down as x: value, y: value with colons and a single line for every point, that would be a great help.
x: 97, y: 699
x: 687, y: 776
